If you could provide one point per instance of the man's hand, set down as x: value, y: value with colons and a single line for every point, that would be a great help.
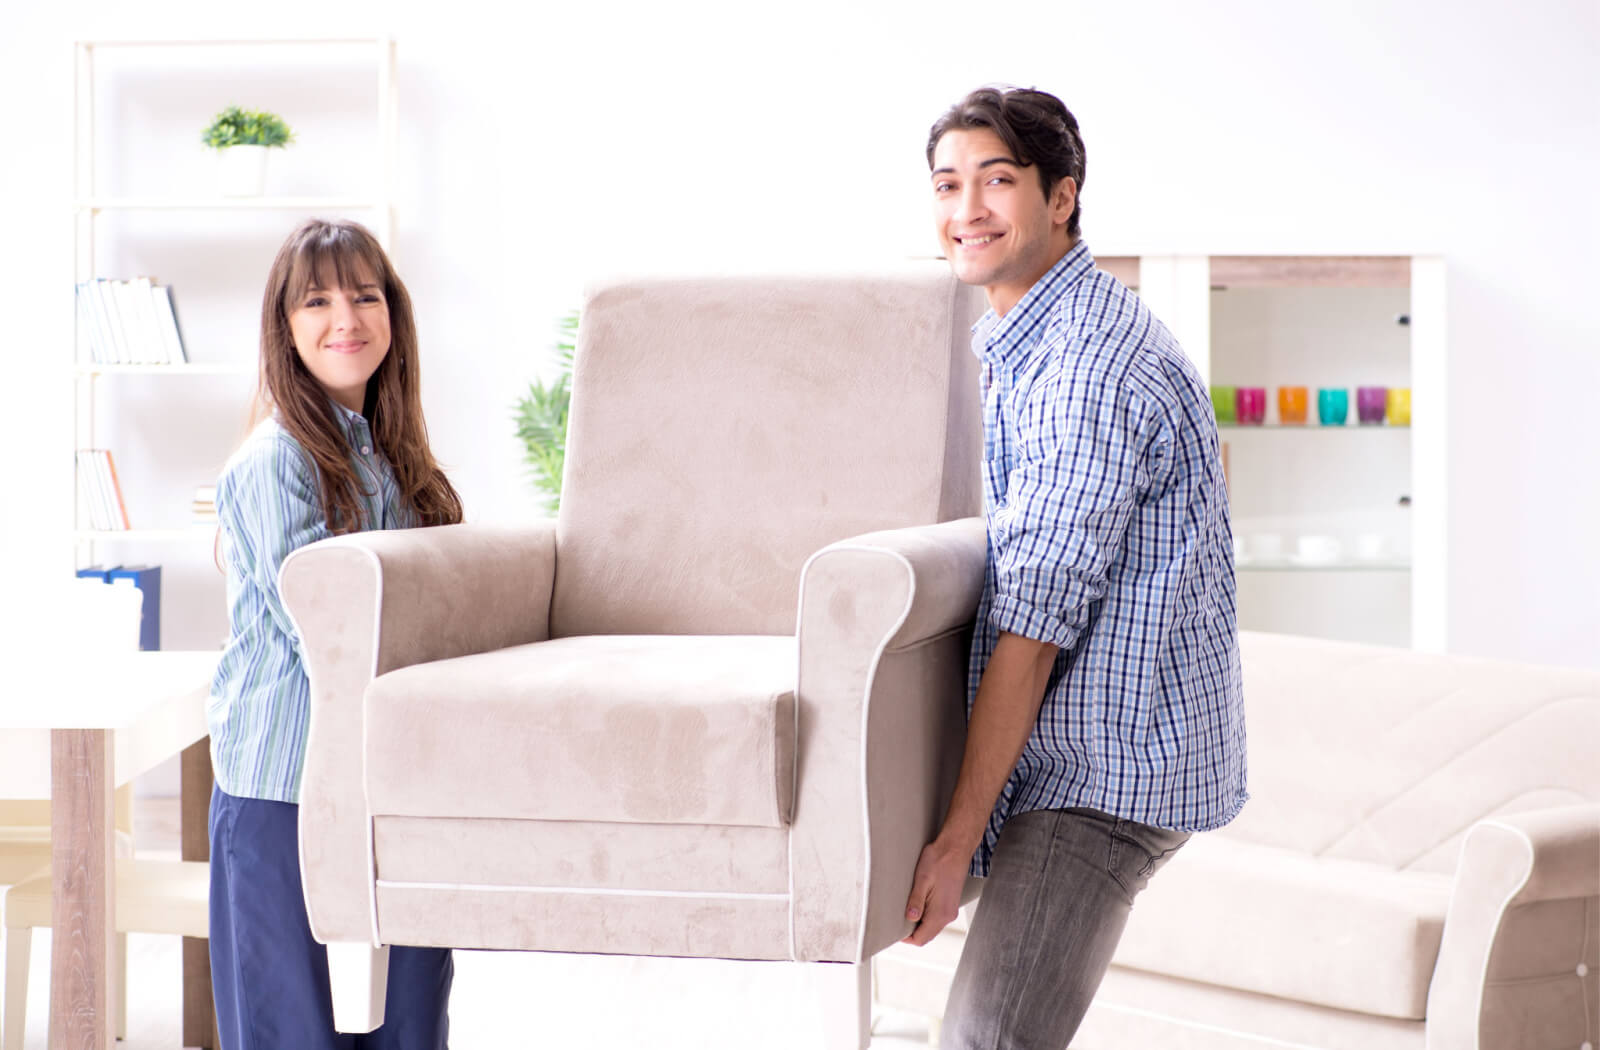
x: 1003, y: 714
x: 936, y: 891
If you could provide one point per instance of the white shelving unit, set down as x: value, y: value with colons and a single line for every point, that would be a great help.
x: 1181, y: 290
x: 100, y: 386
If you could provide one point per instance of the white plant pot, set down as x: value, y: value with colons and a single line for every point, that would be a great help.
x: 242, y: 171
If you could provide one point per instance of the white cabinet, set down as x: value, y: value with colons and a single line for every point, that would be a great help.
x: 146, y: 204
x: 1340, y: 529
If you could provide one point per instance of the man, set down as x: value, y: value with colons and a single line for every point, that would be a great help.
x: 1105, y: 716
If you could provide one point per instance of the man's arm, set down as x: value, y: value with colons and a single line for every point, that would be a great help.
x: 1003, y: 716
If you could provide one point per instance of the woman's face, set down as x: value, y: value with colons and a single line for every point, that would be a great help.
x: 342, y: 334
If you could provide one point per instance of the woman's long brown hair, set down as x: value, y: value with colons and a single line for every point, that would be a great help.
x: 393, y: 404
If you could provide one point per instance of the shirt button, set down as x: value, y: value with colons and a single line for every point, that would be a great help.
x: 366, y: 450
x: 1583, y: 970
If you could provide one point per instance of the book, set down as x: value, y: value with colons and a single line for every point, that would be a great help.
x: 172, y: 332
x: 99, y: 491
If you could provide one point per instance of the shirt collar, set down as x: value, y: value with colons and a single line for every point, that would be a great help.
x: 999, y: 340
x: 354, y: 425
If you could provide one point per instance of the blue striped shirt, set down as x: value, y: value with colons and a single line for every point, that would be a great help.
x: 268, y: 504
x: 1109, y: 536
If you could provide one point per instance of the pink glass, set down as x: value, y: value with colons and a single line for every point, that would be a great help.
x: 1371, y: 403
x: 1252, y: 404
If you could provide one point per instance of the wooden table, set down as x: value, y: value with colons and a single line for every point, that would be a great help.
x: 73, y: 728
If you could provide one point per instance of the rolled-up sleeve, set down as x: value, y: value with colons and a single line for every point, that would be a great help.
x: 1068, y: 500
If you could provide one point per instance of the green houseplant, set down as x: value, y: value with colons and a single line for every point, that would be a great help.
x: 541, y: 418
x: 242, y: 138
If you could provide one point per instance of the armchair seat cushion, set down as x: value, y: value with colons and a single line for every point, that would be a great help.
x: 665, y: 729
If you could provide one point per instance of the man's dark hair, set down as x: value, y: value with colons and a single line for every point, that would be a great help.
x: 1035, y: 126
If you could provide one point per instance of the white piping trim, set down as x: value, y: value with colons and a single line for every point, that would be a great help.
x: 861, y: 763
x: 585, y: 891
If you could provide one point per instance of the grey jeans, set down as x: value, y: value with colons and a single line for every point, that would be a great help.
x: 1053, y: 909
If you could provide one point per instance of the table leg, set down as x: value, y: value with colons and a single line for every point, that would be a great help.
x: 199, y: 1010
x: 83, y: 901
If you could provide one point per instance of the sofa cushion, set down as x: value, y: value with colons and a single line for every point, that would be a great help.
x: 1338, y: 933
x: 649, y: 729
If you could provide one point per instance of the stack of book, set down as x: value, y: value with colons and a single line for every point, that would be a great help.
x: 129, y: 323
x: 99, y: 492
x: 205, y: 505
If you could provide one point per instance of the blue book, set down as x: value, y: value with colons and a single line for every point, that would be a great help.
x: 148, y: 579
x: 95, y: 572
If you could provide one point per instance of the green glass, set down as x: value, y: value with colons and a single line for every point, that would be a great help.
x: 1225, y: 403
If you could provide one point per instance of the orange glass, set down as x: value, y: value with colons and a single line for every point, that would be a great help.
x: 1291, y: 404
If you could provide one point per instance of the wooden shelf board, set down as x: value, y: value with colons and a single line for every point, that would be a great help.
x: 1310, y: 271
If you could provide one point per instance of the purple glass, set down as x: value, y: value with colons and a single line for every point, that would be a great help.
x: 1252, y: 404
x: 1371, y: 403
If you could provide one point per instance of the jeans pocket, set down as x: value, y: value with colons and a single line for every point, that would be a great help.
x: 1138, y: 851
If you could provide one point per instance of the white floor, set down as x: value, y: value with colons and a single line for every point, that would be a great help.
x: 512, y: 1000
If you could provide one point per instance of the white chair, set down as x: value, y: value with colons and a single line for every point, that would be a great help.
x: 153, y: 896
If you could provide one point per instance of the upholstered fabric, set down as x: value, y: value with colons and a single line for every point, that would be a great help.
x: 1423, y: 841
x: 370, y: 602
x: 578, y: 736
x: 1337, y: 933
x: 628, y: 728
x: 882, y: 645
x: 719, y: 927
x: 554, y: 854
x: 724, y: 430
x: 1389, y: 756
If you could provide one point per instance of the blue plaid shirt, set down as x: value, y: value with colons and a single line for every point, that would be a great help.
x: 1109, y: 536
x: 268, y: 504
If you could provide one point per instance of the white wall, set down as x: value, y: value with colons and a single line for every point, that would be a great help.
x: 544, y: 145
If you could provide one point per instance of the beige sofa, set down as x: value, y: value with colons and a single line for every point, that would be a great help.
x: 1418, y: 867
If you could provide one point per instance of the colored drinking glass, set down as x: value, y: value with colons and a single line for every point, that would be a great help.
x: 1400, y: 406
x: 1223, y: 403
x: 1371, y: 404
x: 1252, y: 405
x: 1333, y: 405
x: 1291, y: 404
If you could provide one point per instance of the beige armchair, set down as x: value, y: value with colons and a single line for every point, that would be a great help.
x: 715, y: 708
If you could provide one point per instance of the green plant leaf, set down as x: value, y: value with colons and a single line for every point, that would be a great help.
x: 236, y: 126
x: 541, y: 418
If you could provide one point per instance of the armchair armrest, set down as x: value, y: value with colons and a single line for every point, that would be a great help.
x: 368, y: 603
x: 884, y: 626
x: 1518, y: 943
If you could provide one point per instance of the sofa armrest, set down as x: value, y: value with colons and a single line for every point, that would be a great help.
x: 884, y: 626
x: 1516, y: 960
x: 368, y: 603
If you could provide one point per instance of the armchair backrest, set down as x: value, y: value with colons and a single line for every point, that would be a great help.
x: 724, y: 429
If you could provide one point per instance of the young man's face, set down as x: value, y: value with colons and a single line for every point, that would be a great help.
x: 996, y: 227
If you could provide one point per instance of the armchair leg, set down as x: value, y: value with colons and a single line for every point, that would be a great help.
x: 359, y: 978
x: 844, y: 997
x: 18, y: 940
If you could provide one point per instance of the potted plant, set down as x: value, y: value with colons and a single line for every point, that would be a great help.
x: 242, y: 138
x: 541, y: 418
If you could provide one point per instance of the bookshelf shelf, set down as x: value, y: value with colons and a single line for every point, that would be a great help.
x: 161, y: 445
x: 193, y: 368
x: 209, y: 203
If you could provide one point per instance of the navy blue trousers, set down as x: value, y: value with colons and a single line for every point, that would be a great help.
x: 269, y: 977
